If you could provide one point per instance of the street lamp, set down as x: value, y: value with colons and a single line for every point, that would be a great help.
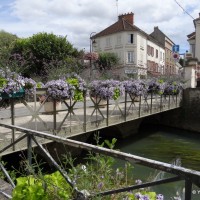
x: 91, y: 42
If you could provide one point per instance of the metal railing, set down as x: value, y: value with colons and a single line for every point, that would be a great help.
x: 190, y: 177
x: 76, y: 118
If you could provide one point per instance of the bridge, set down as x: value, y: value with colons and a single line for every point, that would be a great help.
x: 75, y: 118
x: 27, y: 124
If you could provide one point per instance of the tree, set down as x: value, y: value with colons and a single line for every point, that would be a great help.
x: 6, y: 42
x: 44, y: 52
x: 107, y: 61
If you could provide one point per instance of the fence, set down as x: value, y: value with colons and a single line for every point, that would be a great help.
x: 75, y: 118
x: 189, y: 176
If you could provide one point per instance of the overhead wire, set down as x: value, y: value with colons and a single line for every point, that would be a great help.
x: 184, y: 9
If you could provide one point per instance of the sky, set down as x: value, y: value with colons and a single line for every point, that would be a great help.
x: 77, y: 19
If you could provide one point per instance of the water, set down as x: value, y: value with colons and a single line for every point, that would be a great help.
x: 166, y: 145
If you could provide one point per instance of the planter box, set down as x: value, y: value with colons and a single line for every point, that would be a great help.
x: 48, y: 106
x: 19, y: 94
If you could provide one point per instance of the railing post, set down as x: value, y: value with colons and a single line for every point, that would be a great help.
x: 176, y: 100
x: 29, y: 150
x: 125, y: 106
x: 13, y: 120
x: 161, y: 102
x: 188, y: 190
x: 151, y: 102
x: 84, y: 113
x: 169, y: 102
x: 140, y: 105
x: 54, y: 116
x: 107, y: 112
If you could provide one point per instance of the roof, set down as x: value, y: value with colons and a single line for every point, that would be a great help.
x: 157, y: 29
x: 191, y: 36
x: 119, y: 26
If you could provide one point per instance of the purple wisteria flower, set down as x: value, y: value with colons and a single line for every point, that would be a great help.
x: 108, y: 89
x: 156, y: 86
x: 29, y: 85
x: 173, y: 88
x: 159, y: 197
x: 139, y: 196
x: 138, y: 182
x: 59, y: 89
x: 135, y: 87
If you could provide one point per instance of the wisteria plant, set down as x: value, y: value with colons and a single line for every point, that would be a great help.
x: 59, y: 90
x: 108, y: 89
x: 78, y: 85
x: 135, y: 88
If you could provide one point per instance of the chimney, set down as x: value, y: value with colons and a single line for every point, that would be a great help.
x: 129, y: 17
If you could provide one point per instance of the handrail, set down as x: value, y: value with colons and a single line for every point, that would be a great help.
x: 190, y: 176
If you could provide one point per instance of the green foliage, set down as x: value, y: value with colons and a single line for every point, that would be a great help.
x: 3, y: 82
x: 151, y: 195
x: 6, y: 39
x: 78, y: 95
x: 44, y: 52
x: 107, y: 61
x: 49, y: 187
x: 97, y: 174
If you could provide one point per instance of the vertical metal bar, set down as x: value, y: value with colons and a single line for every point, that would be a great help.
x: 176, y: 100
x: 188, y: 190
x: 29, y: 150
x: 161, y: 103
x: 107, y: 112
x: 13, y: 120
x: 125, y: 106
x: 151, y: 102
x: 84, y: 118
x: 169, y: 102
x: 35, y: 108
x: 140, y: 106
x: 54, y: 116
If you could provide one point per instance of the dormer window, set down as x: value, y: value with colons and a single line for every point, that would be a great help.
x: 130, y: 38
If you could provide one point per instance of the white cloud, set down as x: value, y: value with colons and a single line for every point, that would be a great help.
x: 77, y: 19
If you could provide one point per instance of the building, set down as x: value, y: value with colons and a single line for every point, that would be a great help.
x: 130, y: 43
x: 194, y: 39
x: 170, y: 65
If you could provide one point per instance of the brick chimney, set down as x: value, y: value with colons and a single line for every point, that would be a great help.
x: 129, y: 17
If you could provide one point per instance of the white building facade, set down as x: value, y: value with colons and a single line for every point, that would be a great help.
x: 130, y: 44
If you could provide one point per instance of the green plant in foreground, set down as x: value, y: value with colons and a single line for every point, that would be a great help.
x: 49, y: 187
x: 98, y: 173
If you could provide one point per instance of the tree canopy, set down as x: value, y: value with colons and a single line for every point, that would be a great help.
x: 44, y: 51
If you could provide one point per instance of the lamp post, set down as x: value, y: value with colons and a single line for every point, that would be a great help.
x: 91, y: 54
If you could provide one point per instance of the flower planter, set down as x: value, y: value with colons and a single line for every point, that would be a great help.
x: 48, y: 106
x: 19, y: 94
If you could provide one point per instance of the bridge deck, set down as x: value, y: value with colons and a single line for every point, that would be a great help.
x: 78, y: 117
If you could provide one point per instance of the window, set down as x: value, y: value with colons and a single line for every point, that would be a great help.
x: 152, y: 51
x: 148, y: 50
x: 156, y: 53
x: 108, y: 42
x: 119, y: 39
x: 130, y: 57
x: 130, y: 38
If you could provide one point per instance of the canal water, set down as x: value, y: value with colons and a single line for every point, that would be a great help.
x: 167, y: 145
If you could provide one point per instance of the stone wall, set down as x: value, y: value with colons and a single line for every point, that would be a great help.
x: 188, y: 116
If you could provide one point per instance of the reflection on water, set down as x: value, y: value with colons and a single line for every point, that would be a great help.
x: 167, y: 145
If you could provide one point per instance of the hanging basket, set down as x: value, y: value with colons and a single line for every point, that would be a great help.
x: 19, y: 94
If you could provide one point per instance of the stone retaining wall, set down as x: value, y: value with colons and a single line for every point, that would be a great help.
x: 188, y: 116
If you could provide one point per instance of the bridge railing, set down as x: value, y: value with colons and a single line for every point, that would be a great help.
x: 74, y: 118
x: 190, y: 177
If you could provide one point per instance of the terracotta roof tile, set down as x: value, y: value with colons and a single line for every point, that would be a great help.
x: 119, y: 26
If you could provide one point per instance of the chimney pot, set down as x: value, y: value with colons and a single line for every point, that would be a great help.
x: 128, y: 17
